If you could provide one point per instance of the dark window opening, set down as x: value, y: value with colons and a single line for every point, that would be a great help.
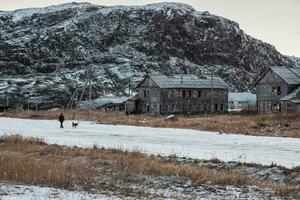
x: 216, y: 107
x: 276, y: 107
x: 190, y: 93
x: 172, y: 93
x: 173, y: 107
x: 183, y: 93
x: 145, y: 94
x: 199, y: 93
x: 278, y: 90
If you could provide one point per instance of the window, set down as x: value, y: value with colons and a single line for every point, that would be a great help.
x: 222, y: 107
x: 169, y: 93
x: 173, y: 108
x: 276, y: 107
x: 190, y: 93
x: 199, y: 93
x: 200, y: 107
x: 145, y: 94
x: 194, y: 107
x: 172, y: 93
x: 166, y: 93
x: 216, y: 107
x: 183, y: 93
x: 261, y: 106
x: 278, y: 90
x: 169, y: 108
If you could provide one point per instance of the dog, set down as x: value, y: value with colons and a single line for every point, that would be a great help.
x: 74, y: 125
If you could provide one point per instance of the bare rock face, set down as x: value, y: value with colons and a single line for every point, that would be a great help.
x: 46, y: 52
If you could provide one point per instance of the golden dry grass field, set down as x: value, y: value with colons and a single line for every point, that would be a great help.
x: 32, y: 161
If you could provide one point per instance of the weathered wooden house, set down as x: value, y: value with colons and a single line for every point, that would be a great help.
x: 182, y: 94
x: 278, y: 90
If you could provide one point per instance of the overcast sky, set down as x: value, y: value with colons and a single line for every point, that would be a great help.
x: 273, y: 21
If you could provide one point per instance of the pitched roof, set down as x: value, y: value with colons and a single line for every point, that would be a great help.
x: 188, y: 81
x: 297, y: 101
x: 289, y: 75
x: 292, y: 95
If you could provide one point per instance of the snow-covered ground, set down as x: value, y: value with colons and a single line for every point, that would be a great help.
x: 165, y: 141
x: 15, y: 192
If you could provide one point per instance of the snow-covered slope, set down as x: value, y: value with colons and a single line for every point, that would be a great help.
x: 44, y: 51
x: 165, y: 141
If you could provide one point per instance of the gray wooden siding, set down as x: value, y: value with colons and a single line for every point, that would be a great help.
x: 149, y: 94
x: 156, y: 101
x: 270, y: 90
x: 193, y: 101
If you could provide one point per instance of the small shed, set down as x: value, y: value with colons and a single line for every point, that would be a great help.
x: 131, y: 105
x: 238, y: 101
x: 107, y: 103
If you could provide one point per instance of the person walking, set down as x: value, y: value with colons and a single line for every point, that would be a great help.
x: 61, y: 119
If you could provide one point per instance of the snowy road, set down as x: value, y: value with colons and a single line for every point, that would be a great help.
x: 165, y: 141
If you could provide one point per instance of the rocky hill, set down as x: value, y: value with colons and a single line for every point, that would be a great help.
x: 45, y: 53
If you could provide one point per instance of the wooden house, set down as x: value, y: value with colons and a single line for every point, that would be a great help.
x: 182, y: 94
x: 278, y: 90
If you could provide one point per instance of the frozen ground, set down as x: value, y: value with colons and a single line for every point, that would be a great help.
x: 16, y: 192
x: 165, y: 141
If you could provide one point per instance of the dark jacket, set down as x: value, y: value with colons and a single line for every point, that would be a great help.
x: 61, y: 118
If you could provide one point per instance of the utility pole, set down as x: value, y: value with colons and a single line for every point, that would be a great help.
x: 129, y: 89
x: 90, y: 90
x: 7, y: 99
x: 36, y: 106
x: 211, y: 93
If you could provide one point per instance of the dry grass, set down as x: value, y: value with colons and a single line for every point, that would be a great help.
x: 19, y: 163
x: 284, y: 125
x: 31, y: 161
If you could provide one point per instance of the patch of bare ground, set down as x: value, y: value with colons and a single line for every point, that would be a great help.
x: 275, y: 125
x: 112, y: 171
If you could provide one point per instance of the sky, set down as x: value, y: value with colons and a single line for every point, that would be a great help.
x: 274, y: 21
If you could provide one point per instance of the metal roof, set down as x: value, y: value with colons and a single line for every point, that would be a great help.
x: 296, y: 101
x: 241, y: 96
x: 188, y: 81
x: 289, y: 75
x: 292, y: 95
